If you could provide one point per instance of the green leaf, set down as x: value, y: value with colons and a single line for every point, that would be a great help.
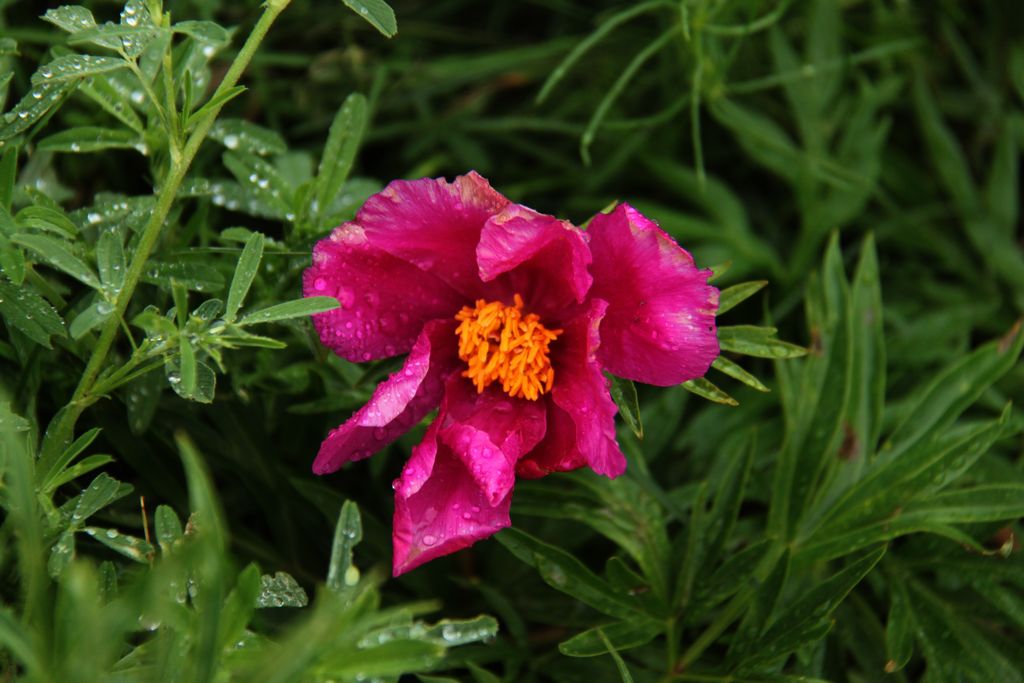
x: 73, y: 67
x: 67, y: 457
x: 8, y: 178
x: 261, y: 181
x: 760, y: 342
x: 953, y: 390
x: 25, y: 310
x: 299, y: 308
x: 705, y: 389
x: 167, y: 527
x: 79, y: 469
x: 732, y: 296
x: 565, y: 573
x: 115, y: 102
x: 280, y: 590
x: 90, y: 318
x: 48, y: 219
x: 205, y: 378
x: 899, y: 629
x: 726, y: 366
x: 245, y: 136
x: 186, y: 387
x: 621, y: 635
x: 204, y: 31
x: 12, y: 261
x: 61, y: 554
x: 245, y: 272
x: 103, y: 491
x: 199, y: 277
x: 70, y: 18
x: 36, y: 103
x: 378, y: 13
x: 110, y: 261
x: 809, y: 617
x: 623, y: 392
x: 89, y: 139
x: 54, y: 252
x: 343, y: 140
x: 132, y: 547
x: 342, y: 575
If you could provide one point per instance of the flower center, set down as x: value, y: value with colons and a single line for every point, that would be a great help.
x: 500, y: 343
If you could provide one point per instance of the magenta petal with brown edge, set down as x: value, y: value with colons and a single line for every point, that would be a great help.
x: 434, y: 224
x: 398, y: 403
x: 660, y: 324
x: 384, y: 301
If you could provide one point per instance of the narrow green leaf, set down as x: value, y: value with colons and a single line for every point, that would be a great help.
x: 705, y: 389
x: 899, y: 629
x: 342, y: 574
x: 115, y: 102
x: 199, y: 277
x: 132, y: 547
x: 245, y: 136
x: 245, y: 272
x: 952, y: 390
x: 343, y: 140
x: 726, y: 366
x: 186, y: 386
x: 110, y: 261
x: 730, y: 297
x: 48, y: 219
x: 23, y: 308
x: 760, y: 342
x: 8, y: 177
x: 73, y: 67
x: 54, y: 252
x: 89, y: 139
x: 565, y: 573
x: 204, y: 31
x: 809, y: 617
x: 79, y: 469
x: 103, y: 491
x: 299, y: 308
x: 67, y: 457
x: 378, y: 13
x: 167, y: 527
x: 621, y: 635
x: 584, y: 46
x: 623, y: 392
x: 36, y: 103
x: 89, y: 319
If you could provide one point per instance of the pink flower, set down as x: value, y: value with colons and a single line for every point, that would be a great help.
x: 509, y: 318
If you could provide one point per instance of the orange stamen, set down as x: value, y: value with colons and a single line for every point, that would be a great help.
x: 501, y: 344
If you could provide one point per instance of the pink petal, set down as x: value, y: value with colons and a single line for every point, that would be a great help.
x: 557, y: 452
x: 384, y: 301
x: 399, y: 402
x: 456, y: 487
x: 434, y: 225
x: 448, y: 511
x: 489, y: 432
x: 545, y: 259
x: 660, y: 324
x: 580, y: 394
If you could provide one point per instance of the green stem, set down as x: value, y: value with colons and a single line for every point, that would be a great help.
x: 59, y: 434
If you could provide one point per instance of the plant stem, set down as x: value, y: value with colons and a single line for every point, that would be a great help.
x: 59, y: 434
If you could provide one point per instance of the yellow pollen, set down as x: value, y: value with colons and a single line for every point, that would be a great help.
x: 501, y: 344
